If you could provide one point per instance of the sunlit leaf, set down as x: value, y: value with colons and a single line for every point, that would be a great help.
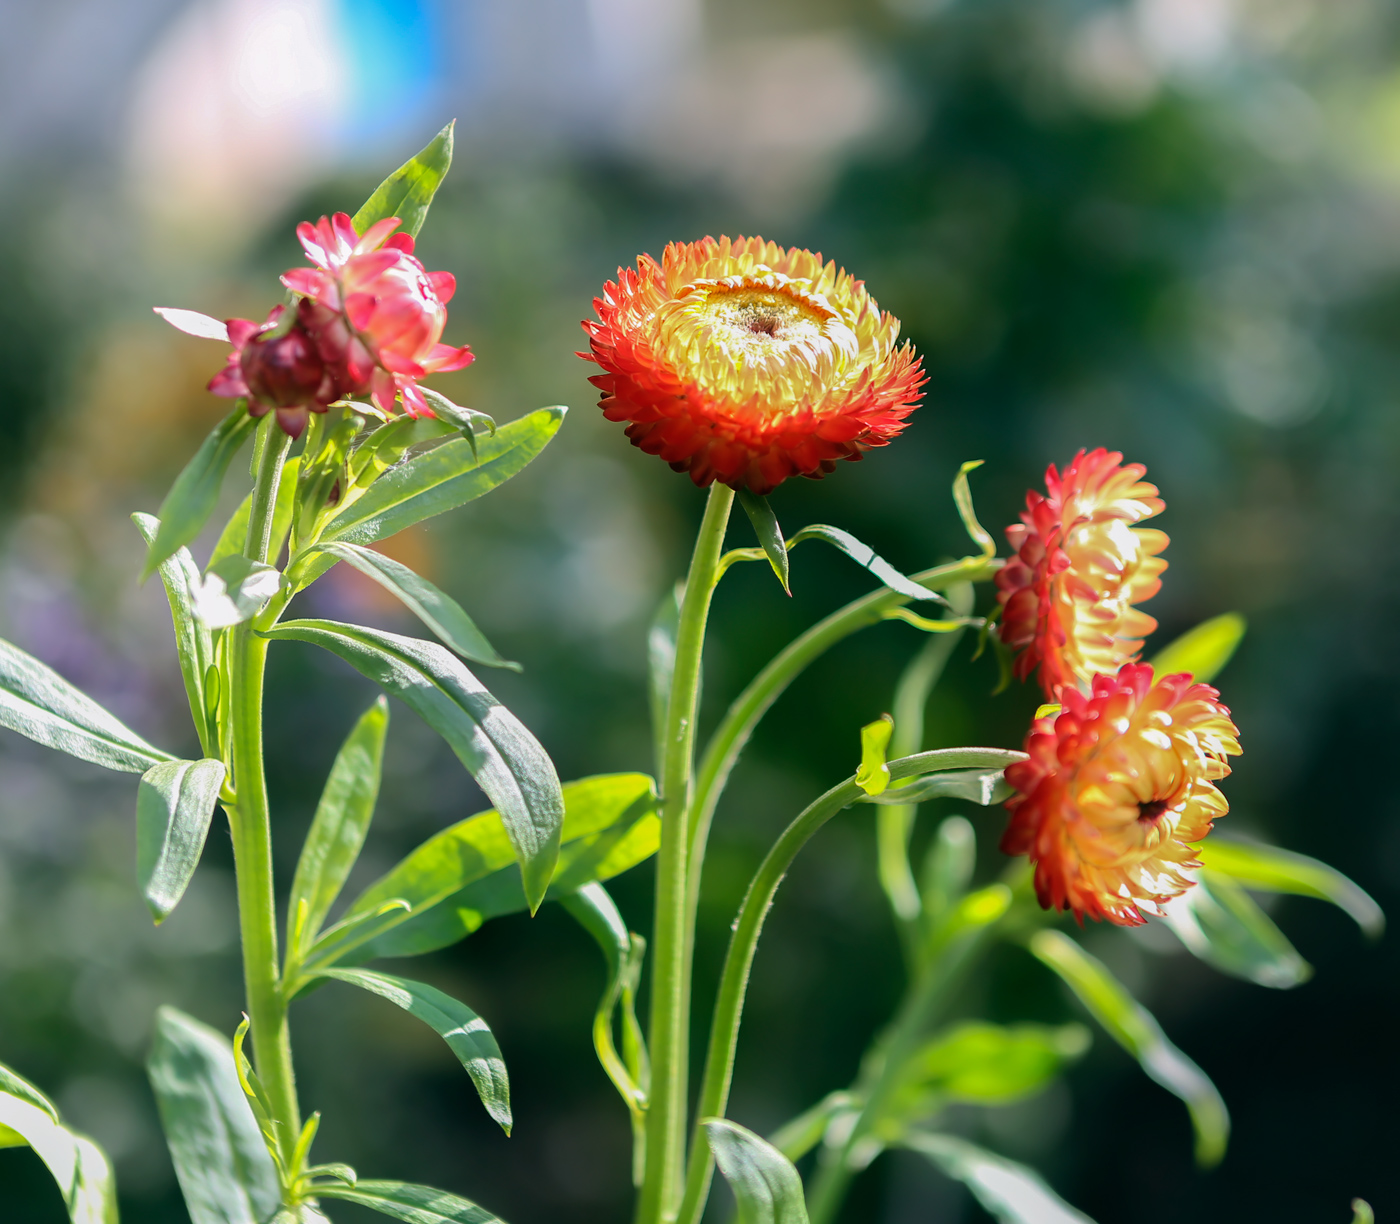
x: 864, y: 555
x: 1135, y: 1028
x: 196, y: 490
x: 339, y: 826
x: 1010, y: 1192
x: 409, y: 1203
x: 980, y: 786
x: 767, y: 1189
x: 1218, y: 922
x: 464, y: 875
x: 506, y: 760
x: 962, y: 498
x: 181, y: 578
x: 1204, y: 650
x: 223, y: 1166
x: 873, y: 776
x: 661, y: 667
x: 174, y: 805
x: 467, y: 1034
x: 234, y: 590
x: 407, y: 193
x: 438, y: 611
x: 192, y: 323
x: 770, y: 535
x: 1361, y: 1212
x: 77, y: 1164
x: 1270, y: 869
x: 40, y: 704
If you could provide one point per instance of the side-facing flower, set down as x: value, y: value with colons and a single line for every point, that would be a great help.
x: 377, y: 312
x: 744, y: 362
x: 1079, y: 568
x: 1118, y: 790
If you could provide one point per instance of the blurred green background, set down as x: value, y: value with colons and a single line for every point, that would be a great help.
x: 1169, y: 227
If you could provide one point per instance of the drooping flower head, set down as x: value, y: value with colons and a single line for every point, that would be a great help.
x: 1117, y: 791
x: 1068, y: 594
x: 378, y: 311
x: 744, y: 362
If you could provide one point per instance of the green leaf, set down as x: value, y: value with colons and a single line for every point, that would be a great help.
x: 980, y: 786
x: 1361, y: 1212
x: 770, y: 535
x: 180, y: 577
x: 948, y: 866
x: 196, y: 490
x: 409, y: 1203
x: 864, y: 555
x: 233, y: 591
x: 40, y: 704
x: 224, y: 1168
x: 982, y: 1064
x: 174, y: 804
x: 873, y: 776
x: 795, y: 1138
x: 1134, y: 1028
x: 1010, y: 1192
x: 466, y: 1033
x: 438, y: 611
x: 661, y: 666
x: 962, y: 498
x: 339, y: 826
x: 506, y: 760
x: 467, y: 420
x: 1218, y: 922
x: 1204, y: 650
x: 767, y: 1189
x: 407, y: 193
x: 78, y: 1165
x: 464, y: 875
x: 234, y: 537
x: 1270, y: 869
x: 439, y: 480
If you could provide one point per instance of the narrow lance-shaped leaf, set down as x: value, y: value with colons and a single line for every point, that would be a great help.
x: 437, y: 610
x: 79, y: 1167
x: 181, y: 578
x: 661, y: 667
x: 767, y: 1189
x: 962, y: 498
x: 1135, y: 1028
x: 798, y: 1136
x: 1011, y: 1192
x: 864, y: 555
x: 409, y: 1203
x: 506, y: 760
x: 980, y: 786
x: 466, y: 1033
x: 338, y: 829
x: 1204, y: 650
x: 407, y: 193
x: 174, y: 805
x: 1219, y: 923
x: 432, y: 483
x: 466, y: 874
x: 223, y: 1166
x: 1270, y: 869
x: 196, y: 490
x: 40, y: 704
x: 770, y: 535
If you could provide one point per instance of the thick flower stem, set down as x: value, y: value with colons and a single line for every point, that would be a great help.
x: 251, y: 825
x: 670, y: 984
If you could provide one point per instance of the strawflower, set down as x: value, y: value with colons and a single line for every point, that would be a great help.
x: 1117, y: 792
x: 743, y: 362
x: 1068, y: 593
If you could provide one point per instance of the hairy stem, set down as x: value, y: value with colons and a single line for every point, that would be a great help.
x: 251, y: 826
x: 748, y: 926
x: 670, y: 984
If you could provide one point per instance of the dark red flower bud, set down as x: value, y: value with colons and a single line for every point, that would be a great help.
x: 285, y: 371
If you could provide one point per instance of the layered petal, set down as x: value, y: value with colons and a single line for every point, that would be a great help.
x: 740, y: 361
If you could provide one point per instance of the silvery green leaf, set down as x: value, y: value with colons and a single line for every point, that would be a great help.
x: 233, y: 591
x: 766, y: 1186
x: 174, y: 805
x: 1011, y: 1192
x: 1218, y: 921
x: 409, y: 1203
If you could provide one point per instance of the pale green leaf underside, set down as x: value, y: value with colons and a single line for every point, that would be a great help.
x: 411, y: 1204
x: 1011, y: 1192
x: 174, y: 805
x: 766, y: 1186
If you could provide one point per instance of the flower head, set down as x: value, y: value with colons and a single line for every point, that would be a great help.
x: 1117, y: 790
x: 1080, y: 567
x: 377, y: 313
x: 744, y: 362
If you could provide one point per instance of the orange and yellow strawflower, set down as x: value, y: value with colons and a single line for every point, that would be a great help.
x: 1117, y: 792
x: 1069, y: 593
x: 743, y: 362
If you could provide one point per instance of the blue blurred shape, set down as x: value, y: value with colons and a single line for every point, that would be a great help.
x: 393, y: 55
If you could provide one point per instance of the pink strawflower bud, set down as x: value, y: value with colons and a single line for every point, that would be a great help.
x: 377, y: 313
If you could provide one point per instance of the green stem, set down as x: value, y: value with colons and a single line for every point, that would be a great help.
x: 670, y: 984
x: 251, y: 825
x: 748, y: 926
